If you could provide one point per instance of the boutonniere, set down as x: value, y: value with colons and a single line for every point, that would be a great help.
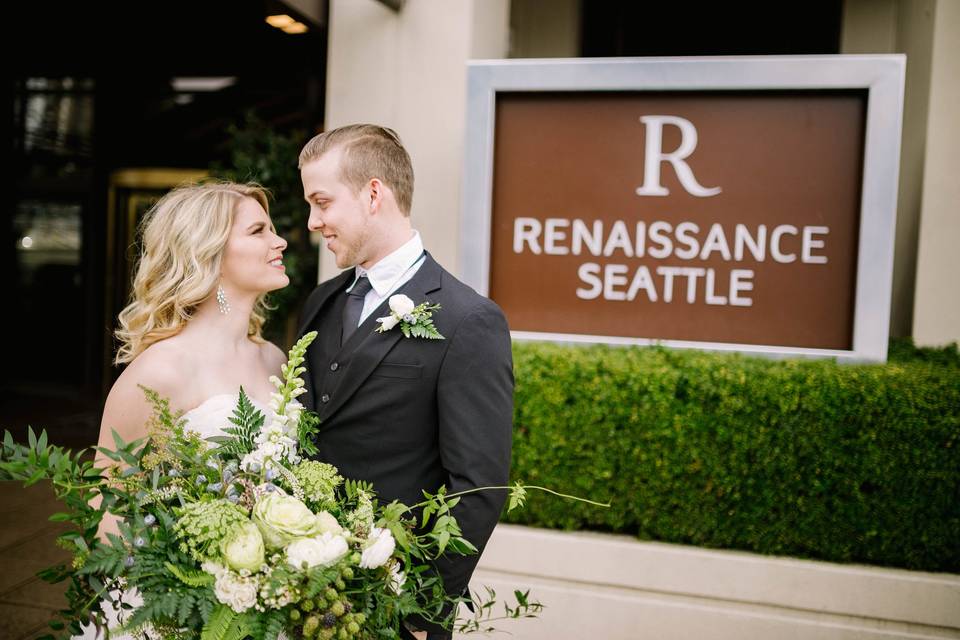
x: 415, y: 321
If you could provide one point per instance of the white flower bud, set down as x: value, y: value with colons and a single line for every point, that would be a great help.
x: 388, y: 322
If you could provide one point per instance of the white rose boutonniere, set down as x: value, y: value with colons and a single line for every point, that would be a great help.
x: 415, y: 320
x: 401, y: 304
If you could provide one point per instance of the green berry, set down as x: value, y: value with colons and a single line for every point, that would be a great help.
x: 326, y: 634
x: 343, y: 634
x: 353, y: 628
x: 332, y: 595
x: 355, y: 558
x: 337, y: 608
x: 294, y: 615
x: 307, y: 606
x: 347, y: 573
x: 341, y: 585
x: 360, y: 618
x: 310, y: 626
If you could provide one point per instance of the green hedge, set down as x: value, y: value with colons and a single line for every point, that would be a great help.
x: 845, y: 463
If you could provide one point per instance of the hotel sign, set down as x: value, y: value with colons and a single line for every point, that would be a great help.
x: 711, y: 203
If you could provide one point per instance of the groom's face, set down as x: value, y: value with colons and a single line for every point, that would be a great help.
x: 336, y: 211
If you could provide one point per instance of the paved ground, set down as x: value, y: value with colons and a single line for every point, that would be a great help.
x: 27, y: 603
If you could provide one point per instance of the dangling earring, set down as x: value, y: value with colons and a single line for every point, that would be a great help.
x: 222, y: 300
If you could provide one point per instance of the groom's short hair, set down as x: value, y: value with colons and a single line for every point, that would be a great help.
x: 368, y: 151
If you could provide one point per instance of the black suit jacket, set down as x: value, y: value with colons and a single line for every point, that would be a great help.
x: 409, y: 414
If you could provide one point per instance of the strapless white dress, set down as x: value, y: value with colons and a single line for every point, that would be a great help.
x: 209, y: 419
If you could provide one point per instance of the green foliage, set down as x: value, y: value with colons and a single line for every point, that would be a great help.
x: 308, y: 426
x: 904, y: 350
x: 219, y: 624
x: 813, y: 459
x: 167, y: 606
x: 445, y: 530
x: 483, y: 611
x: 319, y: 481
x: 352, y: 488
x: 189, y: 577
x: 248, y: 420
x: 203, y: 524
x: 75, y: 482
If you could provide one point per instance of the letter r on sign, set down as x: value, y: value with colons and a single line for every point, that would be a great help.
x: 654, y: 157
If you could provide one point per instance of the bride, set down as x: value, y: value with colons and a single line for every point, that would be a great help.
x: 192, y: 329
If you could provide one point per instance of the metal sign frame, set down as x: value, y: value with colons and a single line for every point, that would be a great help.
x: 881, y: 75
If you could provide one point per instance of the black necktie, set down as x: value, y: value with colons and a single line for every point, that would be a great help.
x: 354, y: 306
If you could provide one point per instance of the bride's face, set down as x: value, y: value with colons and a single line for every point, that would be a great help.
x: 252, y: 258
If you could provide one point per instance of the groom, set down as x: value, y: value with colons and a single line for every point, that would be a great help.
x: 407, y: 414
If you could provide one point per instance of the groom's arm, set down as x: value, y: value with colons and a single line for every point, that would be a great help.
x: 475, y: 415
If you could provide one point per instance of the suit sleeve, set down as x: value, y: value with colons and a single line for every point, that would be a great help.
x: 475, y: 415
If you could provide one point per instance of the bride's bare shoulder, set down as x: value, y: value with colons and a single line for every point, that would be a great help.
x: 162, y: 367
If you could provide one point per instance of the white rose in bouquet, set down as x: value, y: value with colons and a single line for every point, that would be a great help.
x: 282, y: 519
x: 236, y: 592
x: 380, y: 546
x: 326, y: 523
x: 323, y: 550
x: 243, y: 548
x: 401, y: 305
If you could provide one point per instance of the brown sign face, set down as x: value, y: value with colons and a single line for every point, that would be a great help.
x: 714, y: 217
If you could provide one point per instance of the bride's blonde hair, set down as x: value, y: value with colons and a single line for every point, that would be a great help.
x: 184, y: 235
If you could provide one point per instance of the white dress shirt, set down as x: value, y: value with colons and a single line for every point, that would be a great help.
x: 388, y: 275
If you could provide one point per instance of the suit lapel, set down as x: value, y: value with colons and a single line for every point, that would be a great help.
x: 335, y: 286
x: 324, y: 296
x: 367, y: 347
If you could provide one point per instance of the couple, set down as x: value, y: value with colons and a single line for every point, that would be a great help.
x: 407, y: 414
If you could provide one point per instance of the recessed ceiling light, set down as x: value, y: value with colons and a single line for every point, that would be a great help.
x: 202, y: 84
x: 296, y: 27
x: 280, y: 21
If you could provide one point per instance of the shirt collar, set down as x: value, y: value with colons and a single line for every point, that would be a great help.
x: 384, y: 275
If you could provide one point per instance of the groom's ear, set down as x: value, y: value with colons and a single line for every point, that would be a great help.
x: 377, y: 192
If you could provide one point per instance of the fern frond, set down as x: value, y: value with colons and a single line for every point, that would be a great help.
x: 189, y: 577
x: 239, y: 440
x: 218, y: 624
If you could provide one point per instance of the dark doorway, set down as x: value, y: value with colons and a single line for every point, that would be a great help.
x: 750, y: 27
x: 98, y: 90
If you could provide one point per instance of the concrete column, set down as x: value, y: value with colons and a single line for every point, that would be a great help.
x: 541, y: 29
x: 900, y: 26
x: 936, y: 314
x: 407, y: 70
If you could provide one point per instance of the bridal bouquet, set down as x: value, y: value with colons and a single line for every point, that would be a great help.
x: 239, y: 536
